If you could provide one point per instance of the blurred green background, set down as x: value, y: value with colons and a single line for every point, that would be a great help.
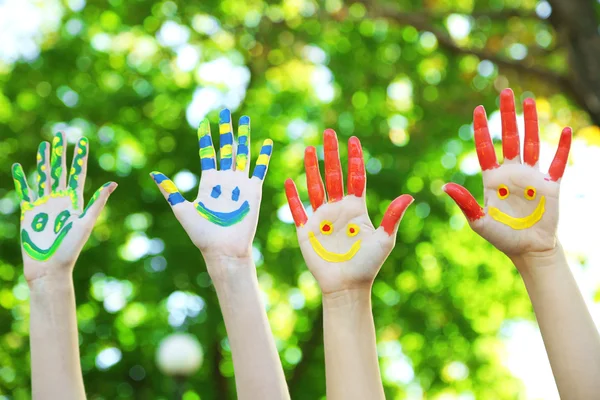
x: 137, y: 76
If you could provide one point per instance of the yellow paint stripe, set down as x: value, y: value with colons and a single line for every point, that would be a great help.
x: 520, y: 223
x: 224, y: 128
x: 263, y: 159
x: 330, y: 256
x: 226, y: 151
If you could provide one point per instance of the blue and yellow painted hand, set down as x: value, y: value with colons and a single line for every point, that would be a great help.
x: 530, y: 193
x: 208, y: 163
x: 50, y: 171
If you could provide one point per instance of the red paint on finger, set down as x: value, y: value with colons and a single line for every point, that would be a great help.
x: 483, y: 142
x: 357, y: 176
x: 314, y: 183
x: 510, y: 132
x: 296, y: 207
x: 465, y: 200
x: 557, y: 168
x: 395, y: 212
x: 333, y: 168
x: 531, y: 149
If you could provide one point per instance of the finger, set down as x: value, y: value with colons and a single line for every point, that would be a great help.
x: 262, y: 163
x: 296, y: 207
x: 314, y: 183
x: 557, y: 168
x: 207, y: 151
x: 357, y: 177
x: 98, y: 201
x: 167, y: 188
x: 58, y: 163
x: 394, y: 213
x: 20, y: 181
x: 225, y: 140
x: 333, y: 168
x: 78, y: 171
x: 510, y: 132
x: 531, y: 149
x: 43, y: 169
x: 243, y: 149
x: 483, y: 142
x: 464, y: 200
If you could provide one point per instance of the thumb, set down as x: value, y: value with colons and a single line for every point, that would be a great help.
x: 465, y: 200
x: 98, y: 201
x: 167, y: 188
x: 394, y: 213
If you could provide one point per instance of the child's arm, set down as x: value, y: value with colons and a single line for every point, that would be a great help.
x: 222, y: 223
x: 54, y: 228
x: 344, y: 252
x: 520, y: 219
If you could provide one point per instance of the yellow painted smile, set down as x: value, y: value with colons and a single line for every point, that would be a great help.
x: 520, y: 223
x: 330, y: 256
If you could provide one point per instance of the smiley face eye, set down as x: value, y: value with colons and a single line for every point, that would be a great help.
x: 60, y: 220
x: 326, y: 227
x: 39, y: 222
x: 216, y: 192
x: 530, y: 193
x: 503, y: 192
x: 352, y: 230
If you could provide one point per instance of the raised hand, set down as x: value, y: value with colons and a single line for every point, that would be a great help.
x: 521, y: 203
x: 339, y: 243
x: 54, y: 224
x: 228, y: 200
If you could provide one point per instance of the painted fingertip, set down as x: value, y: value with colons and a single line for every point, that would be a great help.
x: 529, y: 102
x: 224, y: 116
x: 507, y: 94
x: 244, y: 120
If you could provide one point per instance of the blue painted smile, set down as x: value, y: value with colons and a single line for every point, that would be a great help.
x: 223, y: 219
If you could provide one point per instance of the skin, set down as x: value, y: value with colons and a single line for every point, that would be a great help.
x: 345, y: 258
x: 570, y: 337
x: 226, y: 247
x: 58, y: 237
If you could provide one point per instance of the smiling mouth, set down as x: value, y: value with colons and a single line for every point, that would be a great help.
x: 520, y: 223
x: 40, y: 254
x: 331, y: 256
x: 223, y: 219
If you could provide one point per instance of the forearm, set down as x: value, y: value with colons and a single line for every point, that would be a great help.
x: 570, y: 336
x: 258, y: 370
x: 55, y: 365
x: 351, y: 364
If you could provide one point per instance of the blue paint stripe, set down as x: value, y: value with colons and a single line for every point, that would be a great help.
x: 226, y: 138
x: 226, y: 163
x: 205, y: 141
x: 158, y: 177
x: 242, y: 149
x: 266, y: 150
x: 245, y: 120
x: 229, y: 215
x: 207, y: 163
x: 175, y: 198
x: 224, y: 116
x: 260, y: 171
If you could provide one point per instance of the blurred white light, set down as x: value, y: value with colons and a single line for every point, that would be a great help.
x: 296, y: 128
x: 459, y: 26
x: 173, y: 35
x: 543, y: 9
x: 517, y: 51
x: 485, y: 68
x: 400, y: 90
x: 206, y: 24
x: 185, y: 180
x: 284, y: 214
x: 101, y: 42
x: 76, y: 5
x: 321, y: 80
x: 135, y: 248
x: 24, y: 24
x: 314, y: 54
x: 108, y: 357
x: 187, y: 57
x: 179, y: 354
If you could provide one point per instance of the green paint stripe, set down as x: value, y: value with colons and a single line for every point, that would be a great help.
x: 39, y: 254
x: 94, y: 198
x: 56, y: 168
x: 20, y: 182
x: 41, y: 168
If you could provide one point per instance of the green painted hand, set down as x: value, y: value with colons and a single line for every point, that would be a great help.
x: 54, y: 224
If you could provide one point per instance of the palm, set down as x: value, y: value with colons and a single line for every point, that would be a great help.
x: 521, y: 203
x: 228, y: 200
x: 340, y: 245
x: 54, y: 226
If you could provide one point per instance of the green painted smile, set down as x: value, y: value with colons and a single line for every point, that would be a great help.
x: 39, y: 254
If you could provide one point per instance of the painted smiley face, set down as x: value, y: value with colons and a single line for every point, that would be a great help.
x: 326, y: 228
x: 530, y: 193
x: 39, y: 223
x: 221, y: 218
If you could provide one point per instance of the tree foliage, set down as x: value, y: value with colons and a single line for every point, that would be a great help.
x: 136, y: 76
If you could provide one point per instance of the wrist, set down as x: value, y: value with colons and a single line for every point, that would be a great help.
x: 347, y: 298
x: 54, y: 281
x: 223, y: 268
x: 539, y: 259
